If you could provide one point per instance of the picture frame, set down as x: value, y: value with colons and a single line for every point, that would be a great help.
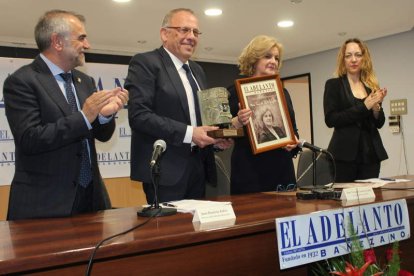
x: 270, y: 126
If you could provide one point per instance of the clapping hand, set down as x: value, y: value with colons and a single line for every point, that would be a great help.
x: 374, y: 100
x: 116, y: 102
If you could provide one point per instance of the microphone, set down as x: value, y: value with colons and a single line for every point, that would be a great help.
x: 304, y: 144
x: 155, y: 210
x: 159, y: 147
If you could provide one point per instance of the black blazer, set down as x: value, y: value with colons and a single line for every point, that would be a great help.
x: 344, y: 113
x: 266, y: 135
x: 158, y: 109
x: 48, y: 139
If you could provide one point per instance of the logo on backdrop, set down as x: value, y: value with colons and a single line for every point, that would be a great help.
x: 108, y: 158
x: 112, y: 158
x: 6, y: 157
x: 5, y: 135
x: 124, y: 132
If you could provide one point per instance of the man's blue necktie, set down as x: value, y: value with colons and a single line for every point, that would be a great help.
x: 194, y: 87
x: 85, y: 175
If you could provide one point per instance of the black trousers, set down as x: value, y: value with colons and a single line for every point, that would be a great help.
x: 84, y: 200
x: 192, y: 184
x: 351, y: 171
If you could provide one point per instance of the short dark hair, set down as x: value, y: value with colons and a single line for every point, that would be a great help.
x: 167, y: 18
x: 54, y: 21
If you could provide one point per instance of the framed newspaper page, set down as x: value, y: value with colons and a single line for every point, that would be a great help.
x: 270, y: 126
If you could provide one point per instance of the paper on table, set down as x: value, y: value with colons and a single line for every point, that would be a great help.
x: 190, y: 205
x: 371, y: 182
x: 357, y: 185
x: 382, y: 180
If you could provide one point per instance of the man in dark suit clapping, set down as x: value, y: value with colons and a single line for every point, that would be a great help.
x: 55, y: 115
x: 163, y: 106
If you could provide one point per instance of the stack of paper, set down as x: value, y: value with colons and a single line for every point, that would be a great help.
x: 190, y: 205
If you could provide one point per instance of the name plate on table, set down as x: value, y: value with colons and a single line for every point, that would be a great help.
x: 357, y: 193
x: 215, y: 111
x: 325, y: 234
x: 214, y: 214
x: 213, y: 225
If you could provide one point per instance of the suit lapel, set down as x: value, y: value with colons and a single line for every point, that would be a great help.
x: 176, y: 82
x: 81, y: 90
x: 347, y: 90
x: 48, y: 81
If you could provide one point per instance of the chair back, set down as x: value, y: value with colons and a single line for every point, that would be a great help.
x: 313, y: 170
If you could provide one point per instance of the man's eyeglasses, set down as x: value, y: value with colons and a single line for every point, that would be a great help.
x: 286, y: 188
x: 185, y: 30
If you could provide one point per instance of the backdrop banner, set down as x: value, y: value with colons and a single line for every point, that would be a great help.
x: 113, y: 156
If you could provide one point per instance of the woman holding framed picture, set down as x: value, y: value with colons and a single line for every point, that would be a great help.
x: 270, y: 170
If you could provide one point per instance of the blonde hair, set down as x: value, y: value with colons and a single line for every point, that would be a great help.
x: 257, y: 48
x: 367, y: 72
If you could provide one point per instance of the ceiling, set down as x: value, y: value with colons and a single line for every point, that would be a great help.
x: 133, y: 27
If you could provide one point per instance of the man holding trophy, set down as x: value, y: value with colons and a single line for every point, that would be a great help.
x: 163, y: 104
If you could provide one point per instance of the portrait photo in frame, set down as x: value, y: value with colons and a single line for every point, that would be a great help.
x: 270, y: 126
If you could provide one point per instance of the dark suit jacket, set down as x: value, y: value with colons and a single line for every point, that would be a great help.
x: 344, y: 114
x: 48, y: 139
x: 158, y: 109
x: 266, y: 135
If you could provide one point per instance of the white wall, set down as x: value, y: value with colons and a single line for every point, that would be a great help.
x: 393, y: 59
x: 299, y: 94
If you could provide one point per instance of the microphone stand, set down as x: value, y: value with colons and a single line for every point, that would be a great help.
x: 314, y: 169
x: 155, y: 210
